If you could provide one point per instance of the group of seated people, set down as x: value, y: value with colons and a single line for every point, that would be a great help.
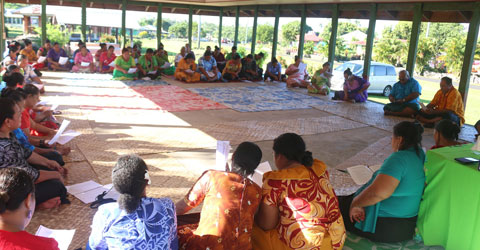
x: 296, y: 207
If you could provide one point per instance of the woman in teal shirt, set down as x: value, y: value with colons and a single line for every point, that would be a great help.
x: 385, y: 209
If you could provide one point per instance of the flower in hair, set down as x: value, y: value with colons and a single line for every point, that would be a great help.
x: 147, y: 178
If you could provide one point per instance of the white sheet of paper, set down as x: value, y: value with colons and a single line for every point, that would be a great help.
x: 211, y: 74
x: 188, y: 71
x: 112, y: 64
x: 88, y: 191
x: 166, y: 65
x: 85, y: 64
x: 302, y: 67
x: 54, y: 107
x: 361, y: 174
x: 476, y: 147
x: 257, y: 176
x: 41, y: 103
x: 68, y: 136
x: 59, y: 132
x: 223, y: 148
x: 41, y: 59
x: 39, y: 86
x: 82, y: 187
x: 132, y: 70
x: 63, y: 237
x: 152, y: 72
x: 62, y: 60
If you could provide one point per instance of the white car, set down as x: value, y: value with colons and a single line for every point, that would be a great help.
x: 382, y: 76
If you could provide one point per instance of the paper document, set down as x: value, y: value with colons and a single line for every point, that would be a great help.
x: 88, y: 191
x: 153, y: 72
x: 59, y: 132
x: 41, y: 59
x: 361, y: 174
x: 41, y: 103
x: 166, y: 65
x: 257, y: 176
x: 189, y: 71
x: 39, y: 86
x: 54, y: 107
x: 112, y: 64
x: 63, y: 237
x: 223, y: 148
x: 422, y: 106
x: 302, y: 67
x: 68, y: 136
x: 211, y: 74
x: 85, y: 64
x: 132, y: 70
x: 62, y: 60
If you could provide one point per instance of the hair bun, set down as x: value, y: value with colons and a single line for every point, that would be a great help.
x: 307, y: 159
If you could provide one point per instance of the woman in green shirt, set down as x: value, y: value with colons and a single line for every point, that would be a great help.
x: 385, y: 209
x: 122, y: 65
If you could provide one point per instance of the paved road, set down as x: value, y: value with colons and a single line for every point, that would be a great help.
x: 473, y: 86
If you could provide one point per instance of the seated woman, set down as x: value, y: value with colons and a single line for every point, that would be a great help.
x: 123, y: 64
x: 354, y: 88
x: 249, y: 69
x: 186, y: 70
x: 50, y: 153
x: 13, y: 80
x: 134, y: 221
x: 164, y: 65
x: 32, y: 57
x: 43, y: 52
x: 17, y: 205
x: 320, y: 83
x: 106, y: 58
x: 220, y: 58
x: 103, y: 48
x: 11, y: 58
x: 180, y: 56
x: 83, y: 61
x: 232, y: 69
x: 29, y: 73
x: 446, y: 134
x: 299, y: 209
x: 53, y: 58
x: 148, y: 66
x: 297, y: 78
x: 231, y: 193
x: 46, y: 174
x: 385, y: 208
x: 41, y: 124
x: 207, y: 66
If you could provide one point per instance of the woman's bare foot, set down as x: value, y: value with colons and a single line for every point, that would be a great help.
x: 63, y: 150
x: 52, y: 203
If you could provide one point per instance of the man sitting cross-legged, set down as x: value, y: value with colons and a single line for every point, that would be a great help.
x: 404, y: 99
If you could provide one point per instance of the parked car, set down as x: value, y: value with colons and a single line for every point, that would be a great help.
x: 382, y: 76
x: 75, y: 37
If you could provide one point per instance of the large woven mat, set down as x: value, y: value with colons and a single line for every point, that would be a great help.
x: 237, y: 132
x: 355, y: 242
x: 174, y: 99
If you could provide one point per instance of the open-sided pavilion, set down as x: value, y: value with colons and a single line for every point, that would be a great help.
x: 407, y: 10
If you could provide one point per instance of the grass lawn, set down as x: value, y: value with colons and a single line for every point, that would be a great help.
x: 14, y: 32
x: 472, y: 114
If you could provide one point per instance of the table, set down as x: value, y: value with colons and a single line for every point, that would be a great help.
x: 450, y: 210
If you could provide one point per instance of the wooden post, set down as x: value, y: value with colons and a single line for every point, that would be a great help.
x: 237, y: 24
x: 412, y: 48
x: 44, y: 21
x: 220, y: 28
x: 370, y: 38
x: 190, y: 25
x: 303, y: 24
x: 469, y: 52
x: 159, y: 24
x: 84, y: 20
x: 254, y: 31
x: 333, y: 36
x: 124, y: 29
x: 275, y: 31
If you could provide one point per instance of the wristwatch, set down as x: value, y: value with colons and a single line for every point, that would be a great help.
x: 42, y: 143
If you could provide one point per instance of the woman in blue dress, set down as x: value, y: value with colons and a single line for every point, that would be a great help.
x: 135, y: 221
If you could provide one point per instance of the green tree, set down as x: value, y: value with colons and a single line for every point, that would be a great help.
x: 309, y: 48
x: 291, y: 30
x: 343, y: 28
x: 147, y: 21
x: 179, y: 29
x: 442, y: 33
x: 455, y: 49
x: 56, y: 33
x: 265, y: 33
x: 425, y: 53
x: 390, y: 49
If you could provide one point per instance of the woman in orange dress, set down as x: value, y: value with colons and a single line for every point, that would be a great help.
x: 187, y: 69
x: 230, y: 201
x: 299, y: 209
